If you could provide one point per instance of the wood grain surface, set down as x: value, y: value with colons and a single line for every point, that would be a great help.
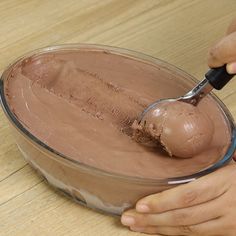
x: 178, y: 31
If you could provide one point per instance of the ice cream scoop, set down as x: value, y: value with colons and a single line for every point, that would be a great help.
x: 176, y: 123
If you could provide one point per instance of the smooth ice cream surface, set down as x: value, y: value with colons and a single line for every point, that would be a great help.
x: 180, y: 128
x: 83, y: 102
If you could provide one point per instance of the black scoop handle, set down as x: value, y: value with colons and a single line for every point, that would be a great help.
x: 218, y: 77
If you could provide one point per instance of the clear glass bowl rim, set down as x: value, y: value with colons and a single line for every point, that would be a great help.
x: 132, y: 54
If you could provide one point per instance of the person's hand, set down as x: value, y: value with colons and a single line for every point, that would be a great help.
x: 206, y: 206
x: 224, y: 51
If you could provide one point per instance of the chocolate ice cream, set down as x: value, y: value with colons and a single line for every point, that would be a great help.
x: 82, y: 104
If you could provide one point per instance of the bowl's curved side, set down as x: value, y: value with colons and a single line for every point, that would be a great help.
x: 106, y: 194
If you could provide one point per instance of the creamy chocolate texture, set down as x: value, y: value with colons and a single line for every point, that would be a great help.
x: 180, y: 128
x: 82, y: 103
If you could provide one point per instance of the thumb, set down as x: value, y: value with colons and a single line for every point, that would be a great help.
x: 199, y: 191
x: 224, y: 52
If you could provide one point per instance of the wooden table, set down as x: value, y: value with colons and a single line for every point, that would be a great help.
x: 179, y: 32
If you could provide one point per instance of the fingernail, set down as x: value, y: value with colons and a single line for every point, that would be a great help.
x: 143, y: 208
x: 127, y: 220
x: 137, y: 229
x: 231, y: 68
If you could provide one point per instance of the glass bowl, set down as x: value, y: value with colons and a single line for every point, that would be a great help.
x: 96, y: 188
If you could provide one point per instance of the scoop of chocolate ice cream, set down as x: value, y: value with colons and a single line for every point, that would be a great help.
x: 180, y: 128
